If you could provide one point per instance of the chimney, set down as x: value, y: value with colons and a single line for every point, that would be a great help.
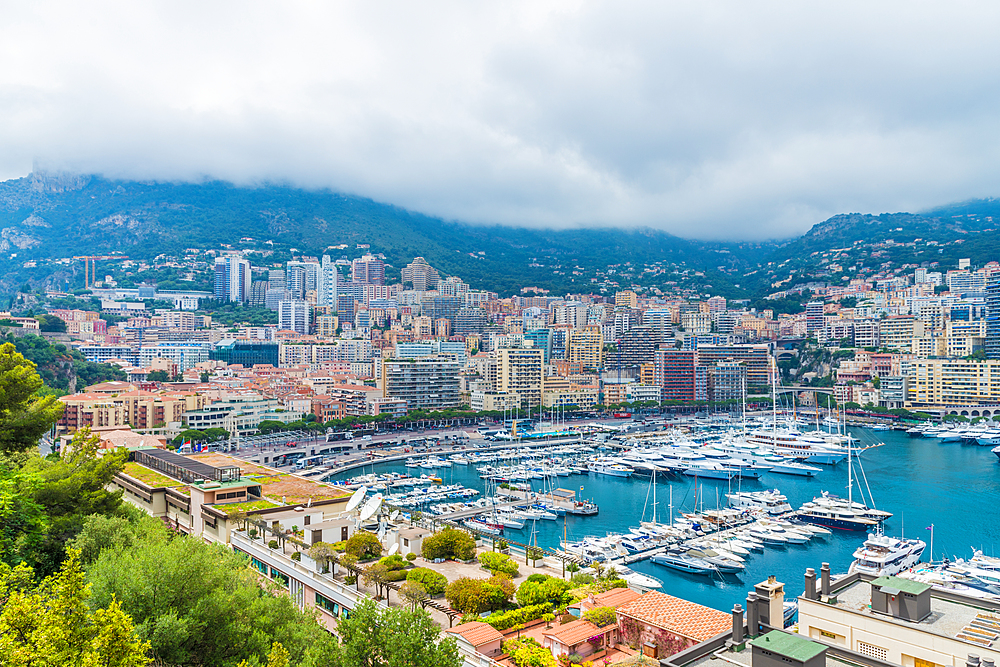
x: 824, y: 573
x: 810, y: 592
x: 986, y: 662
x: 737, y: 625
x: 753, y: 620
x: 972, y: 660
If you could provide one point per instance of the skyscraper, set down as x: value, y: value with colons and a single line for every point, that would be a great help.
x: 232, y: 279
x: 368, y: 270
x: 294, y: 316
x: 993, y: 316
x: 327, y: 282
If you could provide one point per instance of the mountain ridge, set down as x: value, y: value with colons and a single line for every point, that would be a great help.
x: 44, y: 217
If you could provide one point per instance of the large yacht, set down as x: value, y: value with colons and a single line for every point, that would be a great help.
x: 771, y: 502
x: 882, y: 555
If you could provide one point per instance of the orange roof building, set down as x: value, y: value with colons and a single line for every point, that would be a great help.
x: 484, y: 638
x: 580, y: 637
x: 671, y: 624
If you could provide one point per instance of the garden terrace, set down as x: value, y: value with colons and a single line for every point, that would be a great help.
x: 279, y: 487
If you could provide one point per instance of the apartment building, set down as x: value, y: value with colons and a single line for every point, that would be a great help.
x: 143, y: 410
x: 953, y: 382
x: 519, y: 370
x: 897, y: 332
x: 586, y: 346
x: 425, y: 383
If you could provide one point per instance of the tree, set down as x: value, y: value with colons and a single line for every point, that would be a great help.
x: 527, y: 652
x: 374, y: 637
x: 472, y: 596
x: 278, y: 657
x: 375, y: 575
x: 51, y: 323
x: 52, y: 625
x: 24, y: 416
x: 205, y: 376
x: 158, y: 376
x: 198, y: 603
x: 413, y: 592
x: 363, y: 544
x: 323, y: 553
x: 57, y: 494
x: 449, y: 543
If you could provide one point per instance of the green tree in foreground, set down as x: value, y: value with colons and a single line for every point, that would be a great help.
x: 24, y: 416
x: 379, y: 637
x: 51, y: 625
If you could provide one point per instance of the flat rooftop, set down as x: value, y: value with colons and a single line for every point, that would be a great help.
x: 276, y: 486
x: 947, y: 618
x: 731, y: 658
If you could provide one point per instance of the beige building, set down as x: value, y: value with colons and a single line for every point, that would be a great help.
x: 953, y: 382
x: 586, y: 346
x: 519, y: 370
x: 897, y: 333
x: 481, y: 400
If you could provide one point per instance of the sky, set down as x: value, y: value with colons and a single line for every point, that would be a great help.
x: 712, y: 120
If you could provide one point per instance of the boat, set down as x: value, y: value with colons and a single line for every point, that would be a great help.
x: 881, y: 555
x: 633, y: 578
x: 612, y: 468
x: 676, y: 560
x: 783, y: 466
x: 484, y: 527
x: 712, y: 470
x: 583, y: 509
x: 510, y: 521
x: 771, y: 502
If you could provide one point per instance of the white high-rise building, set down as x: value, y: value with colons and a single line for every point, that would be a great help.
x: 327, y: 281
x: 294, y: 316
x: 232, y: 279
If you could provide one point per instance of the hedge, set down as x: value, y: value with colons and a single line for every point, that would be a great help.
x: 396, y: 575
x: 449, y: 543
x: 508, y: 619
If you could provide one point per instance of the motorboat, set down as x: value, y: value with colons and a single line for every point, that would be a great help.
x: 783, y: 466
x: 633, y: 578
x: 611, y: 468
x: 510, y: 520
x: 682, y: 562
x: 881, y: 555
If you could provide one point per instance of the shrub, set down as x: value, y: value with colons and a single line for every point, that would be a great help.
x: 538, y: 576
x: 395, y: 575
x: 411, y: 556
x: 297, y: 556
x: 495, y: 563
x: 363, y: 545
x: 572, y: 568
x: 548, y: 589
x: 471, y: 596
x: 340, y: 546
x: 394, y: 562
x: 500, y: 545
x: 582, y: 579
x: 527, y: 652
x: 433, y: 582
x: 601, y: 616
x: 508, y: 619
x: 272, y: 544
x: 449, y: 543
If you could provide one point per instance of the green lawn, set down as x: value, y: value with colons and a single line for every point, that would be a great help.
x: 249, y: 506
x: 147, y: 476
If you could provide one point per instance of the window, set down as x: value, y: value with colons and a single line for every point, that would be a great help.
x: 327, y: 604
x: 280, y: 577
x: 260, y: 565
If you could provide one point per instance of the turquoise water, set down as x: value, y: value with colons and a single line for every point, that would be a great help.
x: 954, y: 486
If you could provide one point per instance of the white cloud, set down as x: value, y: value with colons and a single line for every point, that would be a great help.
x: 708, y: 120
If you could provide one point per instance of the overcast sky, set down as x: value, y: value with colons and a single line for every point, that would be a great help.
x: 732, y: 120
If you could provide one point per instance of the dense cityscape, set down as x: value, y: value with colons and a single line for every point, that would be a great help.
x: 525, y: 334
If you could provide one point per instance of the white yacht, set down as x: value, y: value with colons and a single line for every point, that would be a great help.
x: 612, y: 468
x: 771, y: 502
x: 882, y: 555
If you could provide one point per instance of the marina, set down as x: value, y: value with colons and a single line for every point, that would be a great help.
x: 958, y: 483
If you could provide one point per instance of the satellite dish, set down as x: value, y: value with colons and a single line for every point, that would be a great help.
x: 394, y: 515
x: 356, y: 499
x: 394, y: 548
x: 368, y: 511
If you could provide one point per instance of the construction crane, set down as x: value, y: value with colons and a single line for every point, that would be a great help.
x: 91, y: 261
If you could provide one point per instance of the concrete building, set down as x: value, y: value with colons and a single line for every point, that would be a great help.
x: 586, y: 346
x: 519, y: 370
x: 674, y: 372
x: 425, y: 383
x: 232, y: 279
x: 953, y: 382
x: 294, y: 316
x: 727, y: 381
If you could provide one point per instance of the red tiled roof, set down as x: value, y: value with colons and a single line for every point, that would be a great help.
x: 616, y: 597
x: 477, y: 633
x: 676, y: 615
x: 575, y: 632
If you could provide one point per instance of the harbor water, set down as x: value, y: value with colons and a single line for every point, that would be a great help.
x: 922, y: 481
